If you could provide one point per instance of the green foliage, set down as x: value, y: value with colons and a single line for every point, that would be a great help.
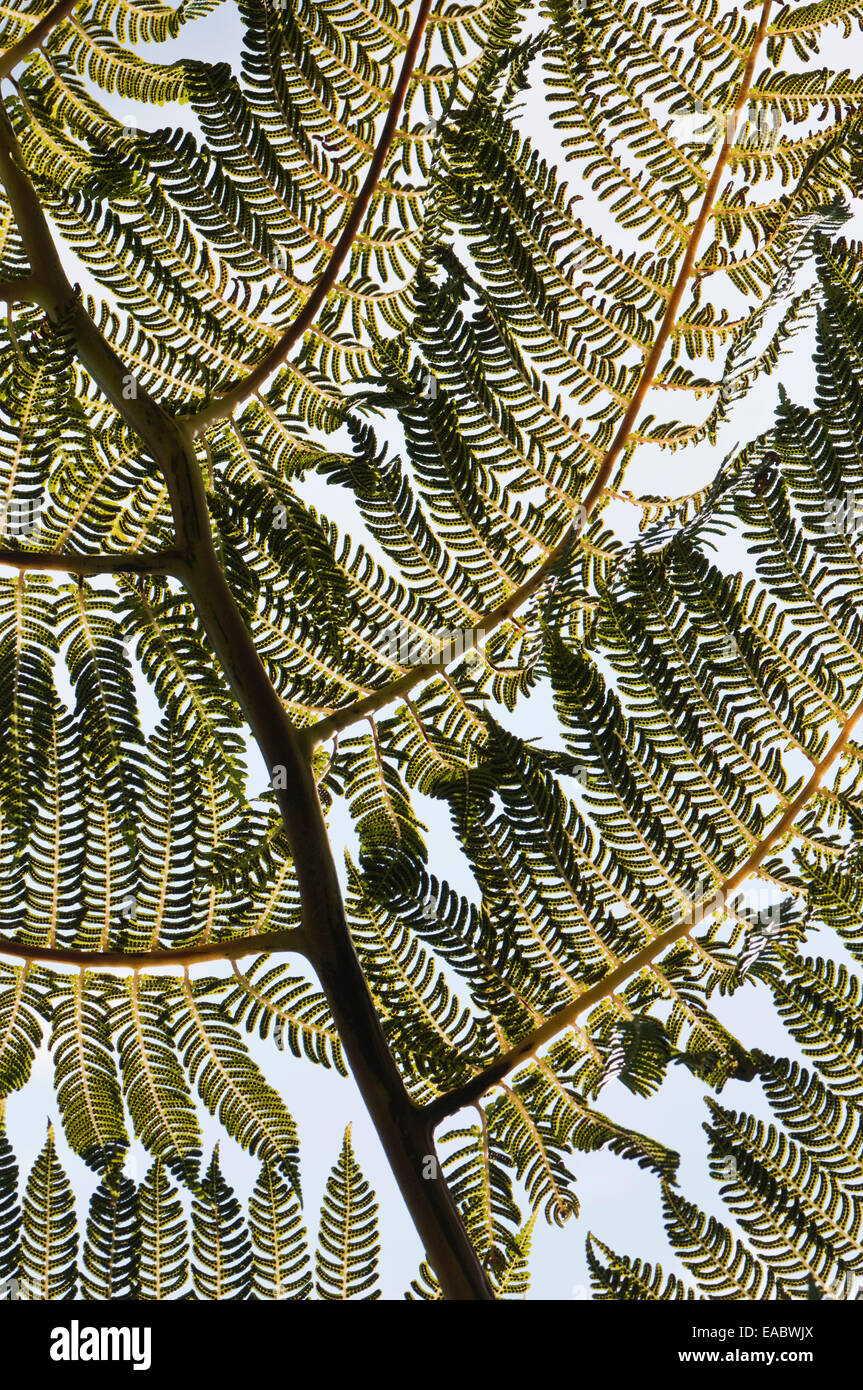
x: 10, y: 1211
x: 628, y: 724
x: 49, y: 1238
x: 230, y: 1083
x: 622, y: 1279
x: 163, y: 1258
x: 346, y: 1263
x: 137, y: 1239
x: 155, y: 1089
x: 220, y: 1240
x: 280, y: 1257
x: 85, y: 1075
x: 21, y: 1025
x: 721, y: 1265
x: 110, y: 1255
x: 298, y: 1014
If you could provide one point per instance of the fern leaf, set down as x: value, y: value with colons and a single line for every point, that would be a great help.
x: 280, y: 1255
x: 154, y: 1085
x: 88, y: 1090
x: 49, y: 1234
x: 10, y: 1209
x: 163, y: 1257
x: 348, y: 1247
x: 221, y: 1253
x: 230, y: 1083
x: 619, y: 1278
x: 111, y: 1244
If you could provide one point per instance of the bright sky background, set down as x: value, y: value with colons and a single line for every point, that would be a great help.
x: 620, y: 1202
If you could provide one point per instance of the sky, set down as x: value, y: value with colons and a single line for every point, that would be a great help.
x: 619, y: 1202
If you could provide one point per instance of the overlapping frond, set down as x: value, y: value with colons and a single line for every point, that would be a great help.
x: 297, y: 1013
x: 221, y: 1252
x: 163, y: 1255
x: 230, y: 1082
x: 137, y: 1240
x: 154, y: 1086
x: 520, y: 329
x: 86, y: 1081
x: 346, y: 1263
x: 49, y: 1236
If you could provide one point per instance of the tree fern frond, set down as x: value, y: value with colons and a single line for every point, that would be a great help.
x: 478, y: 1170
x: 229, y: 1081
x: 821, y: 1004
x: 622, y: 1279
x: 111, y: 1245
x: 790, y: 1207
x: 221, y: 1252
x: 10, y: 1209
x: 826, y: 1123
x: 721, y: 1265
x: 163, y: 1256
x: 280, y: 1254
x: 155, y: 1088
x: 297, y: 1013
x: 348, y: 1246
x: 27, y: 646
x: 22, y: 1010
x: 425, y: 1287
x: 49, y: 1235
x: 88, y: 1090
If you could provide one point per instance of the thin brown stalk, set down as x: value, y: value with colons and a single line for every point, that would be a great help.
x: 133, y: 562
x: 36, y: 37
x: 292, y: 939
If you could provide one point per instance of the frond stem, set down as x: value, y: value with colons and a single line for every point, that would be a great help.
x: 37, y: 36
x: 465, y: 1095
x: 225, y: 404
x: 132, y: 562
x: 292, y: 939
x: 504, y: 611
x: 402, y: 1128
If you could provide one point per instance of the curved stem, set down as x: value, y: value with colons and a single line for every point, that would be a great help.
x: 227, y: 402
x: 454, y: 1100
x: 341, y: 719
x: 403, y: 1128
x: 37, y: 36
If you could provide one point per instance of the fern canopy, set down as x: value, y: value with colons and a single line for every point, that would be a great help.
x: 329, y: 444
